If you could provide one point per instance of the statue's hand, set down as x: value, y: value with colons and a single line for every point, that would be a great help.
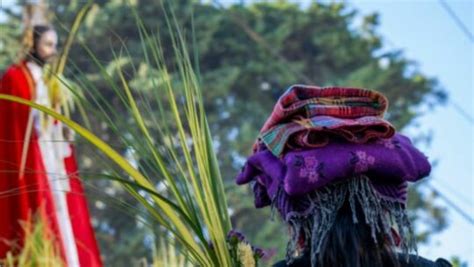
x: 69, y: 135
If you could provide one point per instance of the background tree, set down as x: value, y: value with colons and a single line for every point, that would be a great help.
x: 248, y: 55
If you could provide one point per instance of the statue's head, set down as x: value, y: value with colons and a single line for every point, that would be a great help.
x: 45, y: 40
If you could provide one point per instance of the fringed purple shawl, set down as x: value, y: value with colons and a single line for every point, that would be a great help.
x: 388, y: 163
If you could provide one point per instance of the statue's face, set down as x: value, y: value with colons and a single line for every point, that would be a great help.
x: 46, y: 46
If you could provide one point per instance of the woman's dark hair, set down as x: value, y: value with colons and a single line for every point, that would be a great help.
x: 352, y: 244
x: 348, y: 224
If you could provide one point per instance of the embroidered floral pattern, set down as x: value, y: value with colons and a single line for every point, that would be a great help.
x: 298, y: 161
x: 389, y: 143
x: 311, y: 168
x: 362, y: 161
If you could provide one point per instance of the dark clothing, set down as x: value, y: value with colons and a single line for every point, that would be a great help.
x: 414, y: 261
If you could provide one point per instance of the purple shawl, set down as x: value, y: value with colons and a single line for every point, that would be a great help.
x: 388, y: 163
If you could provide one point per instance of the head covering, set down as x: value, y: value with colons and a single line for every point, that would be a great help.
x: 306, y: 116
x: 321, y: 147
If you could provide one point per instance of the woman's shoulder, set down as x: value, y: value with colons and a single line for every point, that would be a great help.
x: 418, y: 261
x: 410, y: 261
x: 299, y: 262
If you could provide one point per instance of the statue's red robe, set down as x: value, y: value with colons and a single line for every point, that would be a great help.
x: 23, y: 197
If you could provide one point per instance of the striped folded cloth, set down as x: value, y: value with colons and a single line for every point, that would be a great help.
x: 306, y: 116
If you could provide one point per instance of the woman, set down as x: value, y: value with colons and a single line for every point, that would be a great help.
x: 337, y: 173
